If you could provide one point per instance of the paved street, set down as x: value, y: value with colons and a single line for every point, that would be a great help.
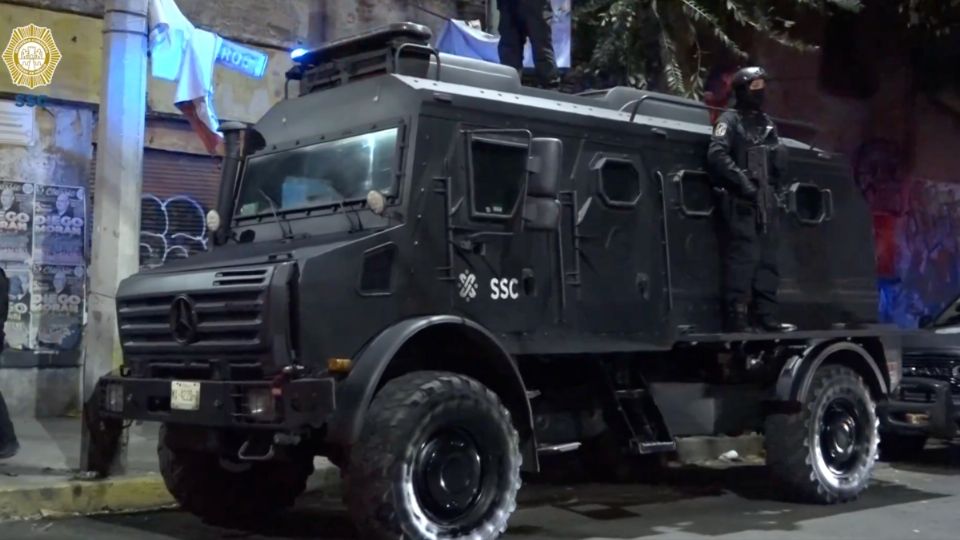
x: 916, y: 500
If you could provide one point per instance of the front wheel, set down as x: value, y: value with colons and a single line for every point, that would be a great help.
x: 203, y: 486
x: 438, y: 458
x: 826, y: 452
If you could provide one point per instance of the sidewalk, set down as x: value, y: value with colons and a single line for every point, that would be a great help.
x: 40, y: 480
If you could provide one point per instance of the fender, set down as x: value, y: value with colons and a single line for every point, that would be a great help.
x: 356, y: 392
x: 797, y: 374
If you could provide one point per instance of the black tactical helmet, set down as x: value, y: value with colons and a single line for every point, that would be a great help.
x: 747, y: 75
x: 749, y: 98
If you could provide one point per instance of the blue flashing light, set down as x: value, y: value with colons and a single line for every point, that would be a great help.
x: 298, y: 52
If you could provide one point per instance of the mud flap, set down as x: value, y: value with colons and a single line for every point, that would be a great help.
x: 103, y: 441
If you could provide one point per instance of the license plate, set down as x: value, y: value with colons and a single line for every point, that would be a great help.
x: 185, y: 396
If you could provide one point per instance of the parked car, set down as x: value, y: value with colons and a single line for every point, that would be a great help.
x: 927, y: 403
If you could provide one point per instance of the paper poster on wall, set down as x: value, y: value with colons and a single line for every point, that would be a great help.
x: 58, y: 305
x: 59, y: 221
x: 17, y: 329
x: 16, y: 217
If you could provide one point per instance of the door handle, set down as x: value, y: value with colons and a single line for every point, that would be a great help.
x: 661, y: 132
x: 529, y: 281
x: 643, y: 285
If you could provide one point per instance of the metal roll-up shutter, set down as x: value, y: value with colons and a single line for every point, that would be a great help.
x: 178, y: 190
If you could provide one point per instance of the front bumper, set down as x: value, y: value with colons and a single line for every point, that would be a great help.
x: 299, y: 404
x: 921, y: 406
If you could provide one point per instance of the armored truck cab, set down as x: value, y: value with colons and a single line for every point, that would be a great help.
x: 433, y: 276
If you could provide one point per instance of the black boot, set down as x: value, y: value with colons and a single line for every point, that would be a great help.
x: 8, y: 450
x: 737, y: 320
x: 8, y: 437
x: 769, y: 323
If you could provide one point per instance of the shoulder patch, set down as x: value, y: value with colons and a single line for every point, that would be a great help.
x: 720, y: 130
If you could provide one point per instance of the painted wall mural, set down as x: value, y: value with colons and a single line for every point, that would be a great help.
x: 171, y: 228
x: 917, y: 224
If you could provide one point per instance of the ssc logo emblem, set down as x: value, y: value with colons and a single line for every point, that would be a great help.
x: 468, y: 285
x: 31, y: 56
x: 721, y: 130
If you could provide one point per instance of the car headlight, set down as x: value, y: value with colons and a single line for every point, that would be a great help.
x: 113, y: 399
x: 261, y: 405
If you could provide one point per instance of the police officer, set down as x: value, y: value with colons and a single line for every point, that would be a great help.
x: 522, y: 19
x: 747, y: 160
x: 8, y: 437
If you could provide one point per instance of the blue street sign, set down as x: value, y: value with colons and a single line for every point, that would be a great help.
x: 250, y: 62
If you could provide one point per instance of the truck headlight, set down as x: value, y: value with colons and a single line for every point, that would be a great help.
x: 261, y: 404
x: 113, y: 399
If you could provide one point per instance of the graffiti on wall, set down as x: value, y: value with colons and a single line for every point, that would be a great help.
x: 172, y: 228
x: 916, y: 223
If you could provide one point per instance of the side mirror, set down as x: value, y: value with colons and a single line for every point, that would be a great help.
x: 546, y: 158
x: 541, y: 209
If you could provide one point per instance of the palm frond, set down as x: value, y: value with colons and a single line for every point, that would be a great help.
x: 698, y: 14
x: 671, y: 67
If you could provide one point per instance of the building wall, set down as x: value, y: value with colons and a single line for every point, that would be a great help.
x: 62, y: 149
x: 345, y: 17
x: 47, y: 384
x: 903, y: 146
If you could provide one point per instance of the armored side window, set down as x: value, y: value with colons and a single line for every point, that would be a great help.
x: 498, y: 170
x: 695, y: 193
x: 619, y: 182
x: 810, y: 204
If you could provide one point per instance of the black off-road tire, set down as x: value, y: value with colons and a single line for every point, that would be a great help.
x: 895, y: 447
x: 203, y: 487
x: 384, y: 483
x: 793, y: 441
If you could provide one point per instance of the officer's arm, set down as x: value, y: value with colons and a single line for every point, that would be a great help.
x: 720, y: 157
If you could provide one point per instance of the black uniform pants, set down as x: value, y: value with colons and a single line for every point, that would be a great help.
x: 750, y: 258
x: 522, y: 19
x: 7, y: 435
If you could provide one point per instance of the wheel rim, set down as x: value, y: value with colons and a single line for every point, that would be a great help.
x: 843, y: 436
x: 452, y: 479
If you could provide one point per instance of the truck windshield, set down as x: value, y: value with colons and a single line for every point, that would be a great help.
x: 321, y: 174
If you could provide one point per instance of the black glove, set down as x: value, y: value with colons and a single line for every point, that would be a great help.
x: 747, y: 189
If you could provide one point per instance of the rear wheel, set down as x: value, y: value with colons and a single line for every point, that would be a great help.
x: 826, y: 452
x: 438, y: 457
x: 225, y: 493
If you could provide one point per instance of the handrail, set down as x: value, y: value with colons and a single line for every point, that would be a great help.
x: 430, y: 51
x: 695, y: 105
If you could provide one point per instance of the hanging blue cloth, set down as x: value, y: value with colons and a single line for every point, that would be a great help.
x: 461, y: 39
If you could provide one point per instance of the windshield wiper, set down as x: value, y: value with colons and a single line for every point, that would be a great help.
x: 356, y: 212
x: 285, y: 229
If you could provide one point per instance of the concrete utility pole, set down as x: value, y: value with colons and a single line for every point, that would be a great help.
x: 116, y: 213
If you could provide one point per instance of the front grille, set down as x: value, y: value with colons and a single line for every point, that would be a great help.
x: 224, y: 319
x: 228, y: 338
x: 934, y: 366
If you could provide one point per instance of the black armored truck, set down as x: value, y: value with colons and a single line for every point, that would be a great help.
x: 434, y: 276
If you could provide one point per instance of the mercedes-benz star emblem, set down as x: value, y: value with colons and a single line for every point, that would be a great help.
x: 183, y: 320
